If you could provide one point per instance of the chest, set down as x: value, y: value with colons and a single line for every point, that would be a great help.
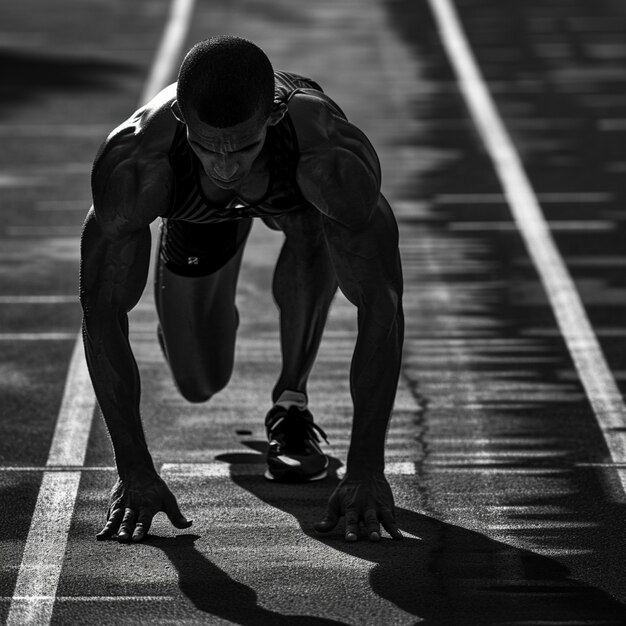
x: 269, y: 189
x: 250, y: 190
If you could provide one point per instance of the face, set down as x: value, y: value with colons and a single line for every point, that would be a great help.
x: 226, y: 154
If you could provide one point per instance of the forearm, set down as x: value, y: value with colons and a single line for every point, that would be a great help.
x: 116, y: 382
x: 374, y: 377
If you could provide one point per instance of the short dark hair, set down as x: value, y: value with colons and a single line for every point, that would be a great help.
x: 225, y: 80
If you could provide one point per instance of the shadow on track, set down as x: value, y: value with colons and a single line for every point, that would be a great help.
x: 27, y: 76
x: 444, y: 574
x: 213, y: 591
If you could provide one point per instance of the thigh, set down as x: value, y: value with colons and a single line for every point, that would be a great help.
x: 195, y: 286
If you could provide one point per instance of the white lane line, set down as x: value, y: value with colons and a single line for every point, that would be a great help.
x: 94, y: 598
x: 62, y: 205
x: 41, y: 299
x: 42, y: 560
x: 11, y: 180
x: 71, y: 434
x: 556, y: 197
x: 612, y: 125
x: 37, y: 336
x: 169, y: 51
x: 47, y: 538
x: 49, y: 468
x: 593, y: 370
x: 224, y: 470
x: 71, y: 230
x: 53, y: 130
x: 219, y: 470
x: 561, y: 225
x: 33, y: 597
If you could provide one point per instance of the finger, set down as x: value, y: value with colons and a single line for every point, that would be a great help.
x: 352, y: 525
x: 389, y: 524
x: 127, y: 526
x: 144, y: 521
x: 331, y: 518
x: 173, y: 512
x: 372, y: 525
x: 327, y: 524
x: 113, y: 523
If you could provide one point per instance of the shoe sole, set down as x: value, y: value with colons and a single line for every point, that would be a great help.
x: 289, y: 476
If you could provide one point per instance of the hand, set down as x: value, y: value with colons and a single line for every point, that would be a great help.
x: 134, y: 501
x: 363, y: 497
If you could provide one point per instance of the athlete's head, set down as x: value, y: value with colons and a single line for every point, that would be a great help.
x: 224, y: 81
x: 225, y: 96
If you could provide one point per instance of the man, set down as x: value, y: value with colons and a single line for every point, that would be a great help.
x: 230, y: 141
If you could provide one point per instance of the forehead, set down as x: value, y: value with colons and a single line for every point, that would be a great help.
x: 232, y: 138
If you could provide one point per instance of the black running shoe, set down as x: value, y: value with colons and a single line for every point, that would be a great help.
x: 294, y: 454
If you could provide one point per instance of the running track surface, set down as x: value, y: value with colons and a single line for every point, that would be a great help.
x: 503, y: 483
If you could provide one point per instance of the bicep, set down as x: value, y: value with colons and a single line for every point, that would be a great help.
x: 131, y: 186
x: 129, y: 192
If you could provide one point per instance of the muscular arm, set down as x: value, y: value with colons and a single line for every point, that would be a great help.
x: 131, y: 186
x: 113, y: 275
x: 340, y: 175
x: 368, y: 270
x: 128, y: 191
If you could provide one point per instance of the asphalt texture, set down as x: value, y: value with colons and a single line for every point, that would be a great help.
x: 511, y: 512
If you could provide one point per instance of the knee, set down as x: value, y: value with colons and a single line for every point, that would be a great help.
x: 198, y: 391
x: 193, y: 394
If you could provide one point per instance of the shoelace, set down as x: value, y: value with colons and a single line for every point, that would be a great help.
x: 293, y: 424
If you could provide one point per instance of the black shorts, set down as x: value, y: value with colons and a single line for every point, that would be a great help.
x: 190, y: 249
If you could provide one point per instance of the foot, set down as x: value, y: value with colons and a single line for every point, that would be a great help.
x: 294, y: 454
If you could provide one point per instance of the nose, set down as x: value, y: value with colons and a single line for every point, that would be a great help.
x: 225, y: 167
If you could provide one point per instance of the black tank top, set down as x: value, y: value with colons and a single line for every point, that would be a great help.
x: 189, y: 203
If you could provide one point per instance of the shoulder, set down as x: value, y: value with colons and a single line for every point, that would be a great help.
x: 131, y: 172
x: 145, y: 136
x: 339, y: 171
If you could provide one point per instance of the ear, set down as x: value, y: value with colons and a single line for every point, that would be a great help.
x: 277, y: 114
x: 178, y: 114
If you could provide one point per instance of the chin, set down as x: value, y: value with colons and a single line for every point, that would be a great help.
x: 225, y: 184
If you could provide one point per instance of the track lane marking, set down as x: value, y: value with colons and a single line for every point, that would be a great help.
x: 37, y: 131
x: 95, y: 598
x: 556, y: 197
x: 225, y: 470
x: 37, y: 336
x: 169, y: 50
x: 222, y: 470
x: 584, y: 348
x: 42, y: 560
x: 61, y: 205
x: 71, y: 434
x: 39, y: 299
x: 560, y: 225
